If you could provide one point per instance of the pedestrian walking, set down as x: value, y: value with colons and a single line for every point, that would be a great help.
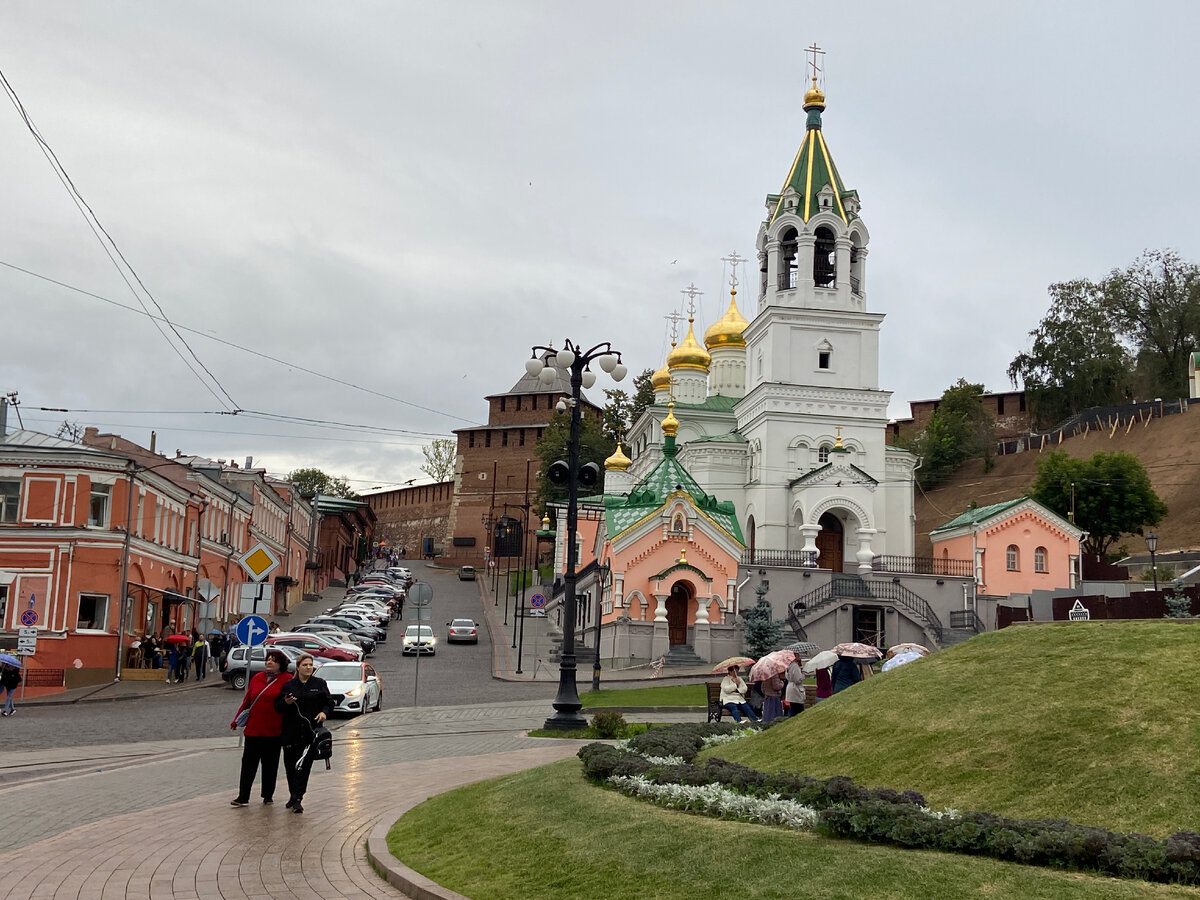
x: 199, y: 655
x: 304, y: 702
x: 10, y: 680
x: 772, y: 690
x: 794, y: 693
x: 263, y: 729
x: 172, y: 661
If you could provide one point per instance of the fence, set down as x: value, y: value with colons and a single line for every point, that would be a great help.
x: 1105, y: 418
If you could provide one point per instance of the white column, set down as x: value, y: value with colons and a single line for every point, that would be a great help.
x: 843, y: 270
x: 864, y: 554
x: 702, y: 608
x: 660, y: 611
x: 809, y: 533
x: 772, y: 268
x: 804, y: 268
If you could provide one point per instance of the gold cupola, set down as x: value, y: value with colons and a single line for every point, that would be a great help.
x: 661, y: 380
x: 689, y: 354
x: 670, y: 425
x: 727, y: 330
x: 618, y: 461
x: 814, y: 97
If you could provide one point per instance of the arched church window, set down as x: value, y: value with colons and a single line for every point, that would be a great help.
x: 824, y: 258
x: 789, y: 244
x: 823, y: 453
x: 1012, y: 558
x: 1039, y: 560
x: 825, y: 355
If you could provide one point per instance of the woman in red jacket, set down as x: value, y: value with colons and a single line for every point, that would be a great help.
x: 264, y: 729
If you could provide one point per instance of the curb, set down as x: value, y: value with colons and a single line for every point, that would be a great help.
x: 59, y: 700
x: 408, y: 881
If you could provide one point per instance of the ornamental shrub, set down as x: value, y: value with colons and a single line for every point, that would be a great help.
x: 608, y: 723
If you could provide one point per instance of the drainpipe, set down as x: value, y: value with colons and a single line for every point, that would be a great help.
x: 122, y: 600
x: 737, y: 595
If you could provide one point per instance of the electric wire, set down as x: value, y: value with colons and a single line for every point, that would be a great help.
x: 94, y: 224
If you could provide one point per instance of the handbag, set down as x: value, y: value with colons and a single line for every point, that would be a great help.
x: 244, y: 716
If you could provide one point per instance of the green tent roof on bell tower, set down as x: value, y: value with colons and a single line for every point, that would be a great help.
x: 813, y: 168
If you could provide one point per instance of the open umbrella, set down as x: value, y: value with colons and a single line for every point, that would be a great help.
x: 771, y: 664
x: 804, y: 649
x: 178, y: 639
x: 822, y: 660
x: 901, y: 659
x: 738, y: 661
x: 905, y: 648
x: 9, y: 660
x: 855, y: 650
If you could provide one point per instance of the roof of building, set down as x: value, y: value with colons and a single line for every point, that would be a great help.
x: 813, y: 169
x: 25, y: 438
x: 979, y: 514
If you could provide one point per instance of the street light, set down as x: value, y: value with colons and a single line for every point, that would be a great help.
x: 603, y: 571
x: 1152, y: 545
x: 577, y: 362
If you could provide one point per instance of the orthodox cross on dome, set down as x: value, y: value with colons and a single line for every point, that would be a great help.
x: 693, y: 292
x: 733, y: 259
x: 674, y: 318
x: 814, y: 51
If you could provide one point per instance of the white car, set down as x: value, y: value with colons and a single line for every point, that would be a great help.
x: 419, y: 639
x: 358, y: 685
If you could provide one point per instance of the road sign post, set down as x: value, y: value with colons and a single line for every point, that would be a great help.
x: 258, y: 562
x: 419, y: 598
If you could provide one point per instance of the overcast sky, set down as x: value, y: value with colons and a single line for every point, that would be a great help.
x: 407, y: 196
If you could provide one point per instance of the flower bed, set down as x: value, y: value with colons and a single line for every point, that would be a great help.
x: 658, y: 766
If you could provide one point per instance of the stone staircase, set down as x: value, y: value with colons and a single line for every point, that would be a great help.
x: 952, y: 636
x: 682, y: 655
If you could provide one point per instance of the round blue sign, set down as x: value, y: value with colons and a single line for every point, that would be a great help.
x: 537, y: 601
x: 251, y: 631
x: 29, y: 617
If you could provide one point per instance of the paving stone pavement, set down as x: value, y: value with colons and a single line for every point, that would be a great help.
x: 153, y: 820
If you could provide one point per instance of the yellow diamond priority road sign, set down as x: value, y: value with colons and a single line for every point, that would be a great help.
x: 259, y: 562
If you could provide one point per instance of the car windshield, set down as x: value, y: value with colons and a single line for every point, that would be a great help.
x: 462, y: 623
x: 341, y: 672
x: 411, y: 631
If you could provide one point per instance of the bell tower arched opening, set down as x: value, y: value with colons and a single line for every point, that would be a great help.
x: 825, y: 258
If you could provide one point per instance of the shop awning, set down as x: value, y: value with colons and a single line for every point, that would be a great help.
x: 167, y: 596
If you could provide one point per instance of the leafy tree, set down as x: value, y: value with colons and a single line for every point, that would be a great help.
x: 594, y: 446
x: 1110, y: 493
x: 958, y: 430
x: 622, y: 411
x: 311, y: 482
x: 762, y: 630
x: 1155, y: 303
x: 439, y: 459
x: 1077, y: 359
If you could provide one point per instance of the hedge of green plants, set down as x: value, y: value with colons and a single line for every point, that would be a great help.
x: 842, y: 809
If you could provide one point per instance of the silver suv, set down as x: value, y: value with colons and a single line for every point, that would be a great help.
x: 238, y: 670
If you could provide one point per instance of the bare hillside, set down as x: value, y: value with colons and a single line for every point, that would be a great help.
x: 1169, y: 448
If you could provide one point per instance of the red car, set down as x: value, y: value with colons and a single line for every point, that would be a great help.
x: 316, y: 645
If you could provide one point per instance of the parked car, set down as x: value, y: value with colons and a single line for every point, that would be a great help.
x: 365, y: 618
x: 463, y: 631
x: 357, y: 684
x: 419, y: 639
x: 369, y: 612
x: 343, y: 637
x: 348, y: 624
x: 317, y: 645
x: 466, y: 573
x: 242, y: 662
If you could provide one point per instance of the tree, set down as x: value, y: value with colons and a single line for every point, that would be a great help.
x: 1155, y: 304
x: 1110, y: 494
x: 311, y: 482
x: 762, y: 630
x: 958, y: 430
x: 594, y: 446
x: 1077, y: 359
x: 622, y: 411
x: 439, y: 459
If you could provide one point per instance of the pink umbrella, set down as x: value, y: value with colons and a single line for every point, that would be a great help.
x: 855, y: 650
x: 772, y: 664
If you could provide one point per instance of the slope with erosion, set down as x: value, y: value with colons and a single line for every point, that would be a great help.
x: 1088, y: 721
x: 1169, y: 448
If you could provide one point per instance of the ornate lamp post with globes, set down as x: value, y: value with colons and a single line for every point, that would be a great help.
x: 577, y: 362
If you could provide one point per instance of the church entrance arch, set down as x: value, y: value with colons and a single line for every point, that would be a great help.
x: 830, y: 542
x: 677, y: 607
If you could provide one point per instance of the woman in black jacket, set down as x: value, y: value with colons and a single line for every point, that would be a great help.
x: 305, y: 702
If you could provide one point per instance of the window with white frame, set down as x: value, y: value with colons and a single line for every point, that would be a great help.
x: 98, y: 505
x: 1012, y: 558
x: 151, y: 617
x: 10, y: 499
x: 3, y: 604
x: 93, y: 612
x: 823, y: 453
x: 1039, y: 560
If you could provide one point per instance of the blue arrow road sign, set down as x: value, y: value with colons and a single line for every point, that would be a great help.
x: 251, y: 631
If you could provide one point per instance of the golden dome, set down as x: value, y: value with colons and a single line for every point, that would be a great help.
x: 814, y: 96
x: 670, y: 425
x: 618, y: 461
x: 661, y: 380
x: 689, y: 354
x: 727, y: 330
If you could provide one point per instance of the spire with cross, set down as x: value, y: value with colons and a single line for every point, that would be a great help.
x: 733, y: 259
x: 692, y: 293
x: 814, y: 52
x: 674, y: 319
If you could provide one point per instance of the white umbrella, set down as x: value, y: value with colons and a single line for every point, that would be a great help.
x: 901, y: 659
x: 822, y: 660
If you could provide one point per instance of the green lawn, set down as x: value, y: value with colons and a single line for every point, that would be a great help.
x: 1095, y: 722
x: 659, y: 695
x: 547, y: 833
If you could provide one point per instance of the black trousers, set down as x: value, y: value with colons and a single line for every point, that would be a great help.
x: 256, y: 751
x: 297, y: 780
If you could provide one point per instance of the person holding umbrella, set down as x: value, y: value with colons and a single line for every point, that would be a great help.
x: 845, y: 673
x: 820, y: 665
x: 733, y: 696
x: 10, y: 680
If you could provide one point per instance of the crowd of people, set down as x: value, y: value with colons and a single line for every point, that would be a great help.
x: 783, y: 694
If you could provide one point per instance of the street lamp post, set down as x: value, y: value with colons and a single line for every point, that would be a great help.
x: 1152, y: 545
x: 602, y: 573
x: 576, y: 361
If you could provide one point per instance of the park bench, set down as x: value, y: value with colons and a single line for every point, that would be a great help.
x: 715, y: 709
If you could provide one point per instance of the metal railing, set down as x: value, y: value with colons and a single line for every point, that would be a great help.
x: 922, y: 565
x: 854, y: 587
x: 855, y: 285
x: 788, y: 559
x: 966, y: 618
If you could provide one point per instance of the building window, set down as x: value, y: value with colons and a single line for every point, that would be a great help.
x: 10, y: 500
x: 471, y: 440
x: 1000, y: 405
x: 487, y: 439
x: 1013, y: 558
x: 98, y: 508
x: 504, y: 438
x: 502, y: 404
x: 824, y: 258
x: 1039, y: 560
x: 539, y: 437
x: 823, y: 454
x: 93, y: 612
x: 521, y: 440
x: 3, y: 605
x: 518, y: 404
x: 823, y: 359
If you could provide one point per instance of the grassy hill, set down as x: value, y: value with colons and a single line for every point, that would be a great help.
x: 1089, y: 721
x: 1169, y: 448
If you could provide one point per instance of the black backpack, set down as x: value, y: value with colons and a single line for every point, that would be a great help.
x: 322, y: 744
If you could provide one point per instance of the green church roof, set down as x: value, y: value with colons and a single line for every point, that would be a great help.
x: 651, y: 493
x: 977, y: 515
x: 811, y: 171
